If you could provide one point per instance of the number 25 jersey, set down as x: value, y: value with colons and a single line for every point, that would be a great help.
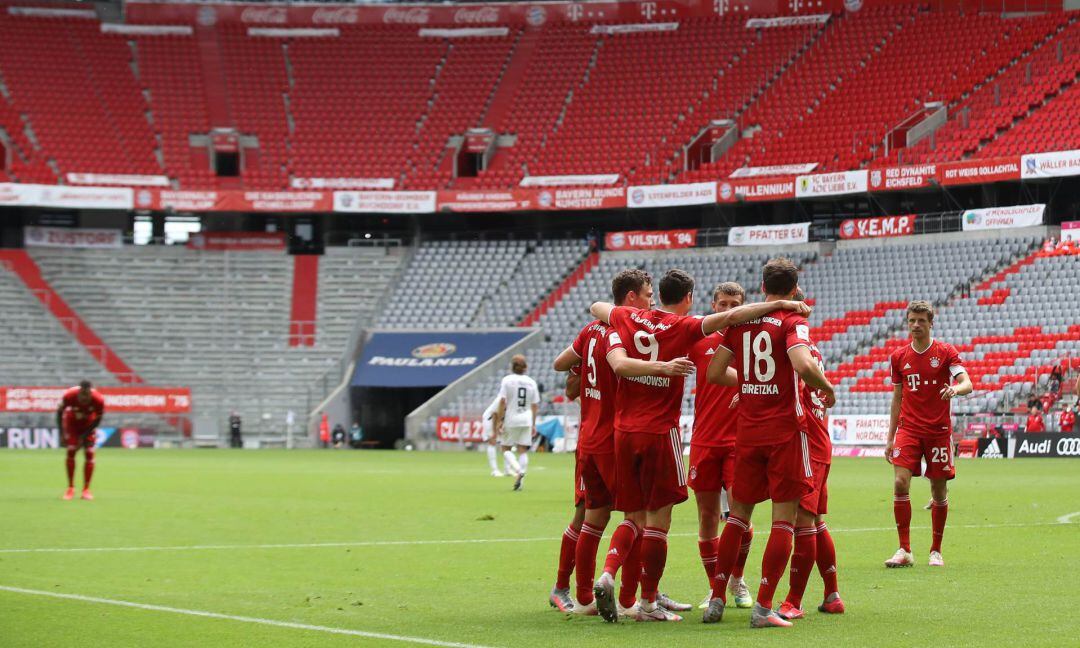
x: 652, y: 404
x: 770, y: 406
x: 923, y: 376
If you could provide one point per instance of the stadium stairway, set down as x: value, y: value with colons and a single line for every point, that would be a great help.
x: 19, y: 263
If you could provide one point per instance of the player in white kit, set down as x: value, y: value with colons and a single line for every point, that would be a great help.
x: 489, y: 436
x: 519, y: 401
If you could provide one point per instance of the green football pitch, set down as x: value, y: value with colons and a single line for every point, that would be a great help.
x: 336, y: 548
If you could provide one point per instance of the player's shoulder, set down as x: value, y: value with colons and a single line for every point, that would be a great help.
x: 899, y: 352
x: 97, y: 396
x: 946, y: 347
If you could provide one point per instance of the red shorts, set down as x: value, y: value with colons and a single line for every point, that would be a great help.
x: 648, y: 471
x: 596, y: 480
x: 817, y: 500
x: 74, y: 438
x: 781, y: 473
x: 579, y: 485
x: 909, y: 450
x: 711, y: 468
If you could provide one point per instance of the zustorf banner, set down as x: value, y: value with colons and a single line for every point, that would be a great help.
x: 429, y: 358
x: 1044, y: 444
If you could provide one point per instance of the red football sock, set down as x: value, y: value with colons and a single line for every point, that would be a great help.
x: 744, y: 552
x: 653, y: 559
x: 727, y: 552
x: 902, y: 512
x: 88, y: 467
x: 585, y: 559
x: 826, y: 559
x: 566, y: 557
x: 707, y: 550
x: 70, y: 463
x: 631, y: 575
x: 939, y: 511
x: 774, y: 562
x: 621, y: 543
x: 802, y: 563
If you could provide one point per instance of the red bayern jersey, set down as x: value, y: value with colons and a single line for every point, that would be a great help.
x: 817, y: 422
x: 652, y: 403
x: 82, y: 415
x: 714, y: 416
x: 598, y: 386
x: 770, y: 405
x: 923, y: 376
x: 1067, y: 420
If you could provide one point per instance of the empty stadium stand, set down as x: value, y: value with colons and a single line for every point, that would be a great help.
x: 217, y: 322
x: 568, y: 100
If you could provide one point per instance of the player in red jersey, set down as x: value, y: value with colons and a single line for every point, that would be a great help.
x: 648, y: 449
x: 712, y: 450
x: 77, y: 417
x: 772, y: 459
x: 920, y: 425
x: 594, y: 472
x: 813, y: 542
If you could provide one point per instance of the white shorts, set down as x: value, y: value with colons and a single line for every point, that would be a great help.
x: 516, y: 436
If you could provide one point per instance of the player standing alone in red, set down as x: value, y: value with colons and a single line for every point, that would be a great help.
x: 648, y: 448
x: 813, y: 542
x: 772, y: 455
x: 77, y: 417
x: 712, y: 450
x: 920, y: 426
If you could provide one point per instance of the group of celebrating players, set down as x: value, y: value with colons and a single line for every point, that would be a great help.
x: 759, y: 434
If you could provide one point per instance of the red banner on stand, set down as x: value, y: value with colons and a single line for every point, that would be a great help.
x: 156, y: 400
x: 646, y: 240
x: 979, y: 171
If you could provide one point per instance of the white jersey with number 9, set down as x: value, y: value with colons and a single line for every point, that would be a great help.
x: 520, y: 393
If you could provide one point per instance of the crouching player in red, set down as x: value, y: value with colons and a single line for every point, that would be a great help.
x: 812, y: 539
x: 772, y: 460
x: 648, y: 449
x: 712, y: 451
x: 920, y: 425
x: 77, y: 417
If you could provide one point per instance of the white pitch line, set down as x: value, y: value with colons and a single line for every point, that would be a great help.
x: 242, y: 619
x: 1065, y: 519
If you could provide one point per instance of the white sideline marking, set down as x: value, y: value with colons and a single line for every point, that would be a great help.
x: 1065, y: 519
x: 242, y: 619
x: 1068, y: 518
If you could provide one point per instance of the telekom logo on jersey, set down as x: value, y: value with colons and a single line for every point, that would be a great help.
x: 914, y: 381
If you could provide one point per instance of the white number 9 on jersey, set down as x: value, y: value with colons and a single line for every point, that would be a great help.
x: 646, y: 344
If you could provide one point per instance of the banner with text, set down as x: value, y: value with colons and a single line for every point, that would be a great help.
x: 32, y: 195
x: 756, y: 190
x: 385, y: 202
x: 831, y: 184
x: 857, y: 228
x: 452, y: 428
x: 769, y: 234
x: 776, y: 170
x: 1070, y: 231
x: 427, y: 358
x: 865, y: 429
x: 646, y: 240
x: 979, y: 171
x: 1003, y: 217
x: 233, y: 200
x: 237, y: 241
x: 673, y: 195
x: 64, y: 237
x: 918, y: 176
x: 157, y: 400
x: 1043, y: 444
x: 1055, y: 164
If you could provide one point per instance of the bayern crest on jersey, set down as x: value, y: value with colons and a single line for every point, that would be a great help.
x: 935, y: 362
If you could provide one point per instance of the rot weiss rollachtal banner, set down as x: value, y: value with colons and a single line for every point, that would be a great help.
x: 156, y: 400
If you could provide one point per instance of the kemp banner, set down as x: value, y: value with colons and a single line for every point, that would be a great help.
x: 864, y: 429
x: 644, y: 240
x: 429, y: 358
x: 1043, y: 444
x: 857, y: 228
x: 157, y: 400
x: 1003, y: 217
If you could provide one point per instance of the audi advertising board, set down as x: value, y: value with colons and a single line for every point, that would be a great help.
x: 1045, y: 444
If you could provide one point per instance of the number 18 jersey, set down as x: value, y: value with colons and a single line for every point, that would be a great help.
x: 652, y: 404
x: 770, y: 407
